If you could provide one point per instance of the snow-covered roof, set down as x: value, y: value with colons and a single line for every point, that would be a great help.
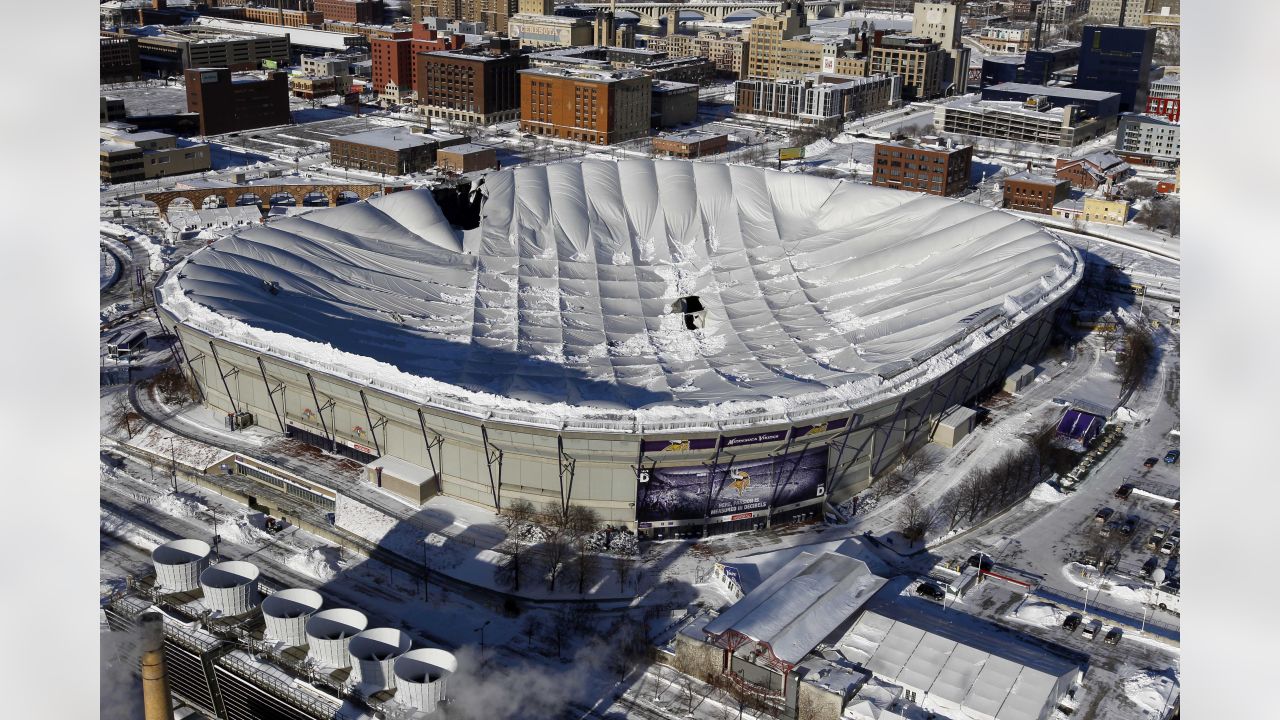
x: 801, y: 604
x: 1060, y: 91
x: 960, y: 665
x: 559, y: 306
x: 389, y: 138
x: 1030, y: 177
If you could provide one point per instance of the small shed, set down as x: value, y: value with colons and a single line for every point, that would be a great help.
x: 1019, y: 379
x: 411, y: 482
x: 955, y: 424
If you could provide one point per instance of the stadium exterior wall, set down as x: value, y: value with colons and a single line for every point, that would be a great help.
x: 492, y: 463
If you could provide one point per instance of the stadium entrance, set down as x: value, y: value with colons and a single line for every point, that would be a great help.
x: 327, y: 445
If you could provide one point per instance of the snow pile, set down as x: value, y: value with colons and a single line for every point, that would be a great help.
x: 317, y: 562
x: 170, y: 448
x: 621, y: 543
x: 1043, y: 493
x: 1040, y: 613
x: 179, y: 505
x: 1152, y: 691
x: 127, y: 531
x: 241, y: 529
x: 1125, y: 414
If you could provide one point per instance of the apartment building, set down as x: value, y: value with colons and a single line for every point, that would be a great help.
x: 940, y: 21
x: 1033, y: 121
x: 125, y: 156
x: 1164, y: 98
x: 281, y: 16
x: 227, y: 102
x: 596, y: 106
x: 726, y: 51
x: 1006, y: 38
x: 779, y: 45
x: 818, y: 99
x: 546, y: 31
x: 931, y: 169
x: 1034, y: 193
x: 474, y: 84
x: 495, y: 14
x: 919, y: 61
x: 1148, y: 140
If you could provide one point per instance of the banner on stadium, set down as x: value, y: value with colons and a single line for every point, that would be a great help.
x: 692, y: 492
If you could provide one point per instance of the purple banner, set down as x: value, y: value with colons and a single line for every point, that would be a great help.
x: 801, y: 430
x: 678, y: 445
x: 692, y: 492
x: 729, y: 441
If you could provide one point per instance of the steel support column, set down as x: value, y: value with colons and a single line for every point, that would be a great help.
x: 271, y: 394
x: 492, y: 454
x: 320, y: 412
x: 373, y: 428
x: 195, y: 381
x: 224, y: 375
x: 567, y: 467
x: 432, y: 439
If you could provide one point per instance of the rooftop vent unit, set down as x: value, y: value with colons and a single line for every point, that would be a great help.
x: 230, y: 588
x: 372, y: 654
x: 179, y: 563
x: 1037, y: 102
x: 329, y: 634
x: 287, y: 612
x: 421, y: 677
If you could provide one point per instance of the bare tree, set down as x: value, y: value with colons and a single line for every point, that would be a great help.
x: 585, y: 566
x: 554, y: 550
x: 1132, y: 363
x: 518, y: 512
x: 1138, y: 189
x: 916, y: 518
x: 126, y: 418
x: 623, y: 567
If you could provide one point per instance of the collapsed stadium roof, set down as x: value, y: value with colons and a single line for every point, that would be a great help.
x: 567, y: 300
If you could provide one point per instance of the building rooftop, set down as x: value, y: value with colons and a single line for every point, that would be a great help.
x: 1148, y: 119
x: 1053, y: 91
x: 1034, y: 179
x: 589, y: 74
x: 691, y: 136
x: 798, y: 606
x: 670, y: 86
x: 466, y: 149
x: 1171, y: 79
x: 390, y: 138
x: 1010, y: 106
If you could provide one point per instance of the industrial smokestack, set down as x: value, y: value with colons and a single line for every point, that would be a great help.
x: 157, y: 703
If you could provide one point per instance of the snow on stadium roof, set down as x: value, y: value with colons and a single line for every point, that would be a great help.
x: 562, y: 301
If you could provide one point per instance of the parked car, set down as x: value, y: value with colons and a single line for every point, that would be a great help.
x: 1130, y: 524
x: 1176, y: 535
x: 1150, y: 462
x: 1106, y: 530
x: 1123, y: 491
x: 1177, y: 508
x: 981, y: 561
x: 1090, y: 631
x: 1103, y: 514
x: 1113, y: 636
x: 1167, y: 548
x: 1172, y: 456
x: 1072, y: 622
x: 1161, y: 532
x: 1150, y: 566
x: 930, y: 590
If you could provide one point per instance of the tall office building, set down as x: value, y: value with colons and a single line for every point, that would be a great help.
x: 940, y: 21
x: 1117, y: 59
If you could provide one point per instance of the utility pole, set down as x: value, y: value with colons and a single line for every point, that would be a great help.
x: 173, y: 465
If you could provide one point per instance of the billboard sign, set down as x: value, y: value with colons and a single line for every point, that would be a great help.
x: 790, y: 153
x: 822, y: 427
x: 686, y: 445
x: 696, y: 491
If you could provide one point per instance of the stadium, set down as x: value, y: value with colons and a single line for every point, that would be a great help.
x: 688, y: 348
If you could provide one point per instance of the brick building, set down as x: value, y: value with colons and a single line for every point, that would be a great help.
x: 476, y: 84
x: 690, y: 144
x: 229, y: 103
x: 596, y: 106
x: 390, y: 151
x: 1034, y: 193
x: 395, y: 68
x: 466, y: 158
x: 1164, y: 97
x: 674, y: 103
x: 368, y: 12
x: 932, y: 169
x: 269, y: 15
x: 1099, y: 169
x: 728, y: 53
x: 118, y: 59
x: 495, y: 14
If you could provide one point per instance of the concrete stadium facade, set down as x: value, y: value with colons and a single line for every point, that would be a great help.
x: 490, y: 461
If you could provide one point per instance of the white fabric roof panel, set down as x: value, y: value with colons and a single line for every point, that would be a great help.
x: 802, y: 603
x: 810, y: 285
x: 962, y: 671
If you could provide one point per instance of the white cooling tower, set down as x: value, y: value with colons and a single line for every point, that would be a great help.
x: 372, y: 654
x: 179, y: 564
x: 230, y: 588
x: 421, y: 676
x: 287, y: 612
x: 329, y: 634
